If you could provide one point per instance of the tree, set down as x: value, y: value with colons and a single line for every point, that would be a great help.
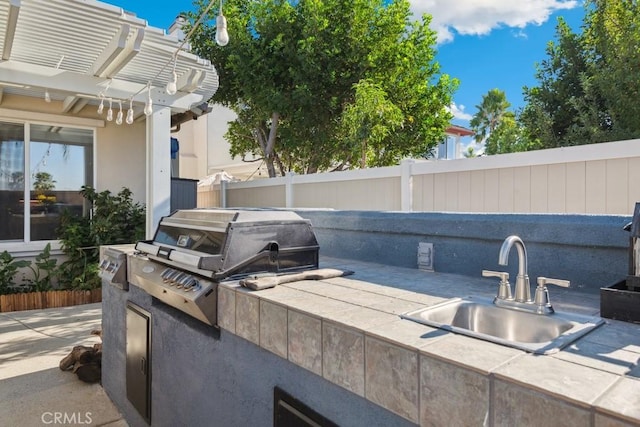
x: 508, y: 137
x: 612, y: 43
x: 367, y: 124
x: 470, y: 153
x: 551, y: 117
x: 493, y: 107
x: 43, y: 182
x: 307, y: 78
x: 590, y: 83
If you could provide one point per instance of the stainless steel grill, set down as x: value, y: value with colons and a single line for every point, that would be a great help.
x: 113, y: 265
x: 193, y: 250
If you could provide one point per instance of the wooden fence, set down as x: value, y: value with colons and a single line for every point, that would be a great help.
x: 48, y: 299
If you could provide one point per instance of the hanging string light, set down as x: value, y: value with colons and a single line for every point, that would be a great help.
x: 222, y: 39
x: 101, y: 106
x: 102, y: 96
x: 119, y: 116
x: 172, y: 85
x: 148, y: 108
x: 130, y: 112
x: 110, y: 112
x: 222, y: 36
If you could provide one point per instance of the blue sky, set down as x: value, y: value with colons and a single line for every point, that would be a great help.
x: 486, y: 44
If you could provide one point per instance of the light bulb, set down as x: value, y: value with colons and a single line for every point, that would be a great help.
x: 222, y: 36
x: 148, y: 108
x: 109, y: 112
x: 119, y: 116
x: 47, y: 97
x: 130, y: 112
x: 101, y: 106
x: 172, y: 86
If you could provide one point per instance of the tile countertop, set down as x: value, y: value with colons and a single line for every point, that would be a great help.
x: 348, y: 330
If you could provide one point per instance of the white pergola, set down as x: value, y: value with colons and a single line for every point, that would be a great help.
x: 74, y: 50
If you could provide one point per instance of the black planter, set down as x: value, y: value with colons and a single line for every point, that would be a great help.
x: 619, y: 303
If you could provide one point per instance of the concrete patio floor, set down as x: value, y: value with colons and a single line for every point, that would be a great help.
x: 33, y: 389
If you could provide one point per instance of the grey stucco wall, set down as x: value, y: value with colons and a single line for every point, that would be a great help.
x: 202, y: 378
x: 588, y: 250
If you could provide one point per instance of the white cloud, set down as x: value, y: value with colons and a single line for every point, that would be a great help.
x: 479, y: 17
x: 458, y: 112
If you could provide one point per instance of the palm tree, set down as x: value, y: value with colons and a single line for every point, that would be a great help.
x: 493, y: 107
x: 471, y: 152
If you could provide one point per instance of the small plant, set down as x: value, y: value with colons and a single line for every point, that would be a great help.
x: 114, y: 219
x: 43, y: 264
x: 9, y: 267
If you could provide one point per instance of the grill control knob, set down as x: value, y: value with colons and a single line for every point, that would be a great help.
x: 176, y: 279
x: 189, y: 283
x: 170, y: 274
x: 166, y: 273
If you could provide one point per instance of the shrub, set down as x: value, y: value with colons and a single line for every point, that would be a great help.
x: 44, y: 269
x: 114, y: 219
x: 9, y: 267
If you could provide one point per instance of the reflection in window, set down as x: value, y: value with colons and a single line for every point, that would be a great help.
x: 11, y: 181
x: 61, y: 162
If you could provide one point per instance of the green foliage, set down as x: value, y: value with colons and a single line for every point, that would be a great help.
x: 44, y: 269
x: 491, y: 110
x: 590, y: 83
x: 292, y: 71
x: 114, y: 219
x: 367, y: 123
x: 9, y: 267
x: 43, y: 182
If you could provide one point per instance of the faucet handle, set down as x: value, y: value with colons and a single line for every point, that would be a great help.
x: 542, y: 293
x: 504, y: 291
x: 543, y: 281
x: 503, y: 275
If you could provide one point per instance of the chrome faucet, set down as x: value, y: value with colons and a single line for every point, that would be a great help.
x: 522, y: 293
x: 523, y: 289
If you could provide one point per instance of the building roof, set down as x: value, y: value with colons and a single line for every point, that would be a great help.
x: 75, y: 49
x: 459, y: 131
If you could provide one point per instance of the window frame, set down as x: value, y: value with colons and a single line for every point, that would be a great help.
x: 27, y: 247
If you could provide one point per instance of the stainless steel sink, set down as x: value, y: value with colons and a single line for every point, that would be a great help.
x: 480, y: 318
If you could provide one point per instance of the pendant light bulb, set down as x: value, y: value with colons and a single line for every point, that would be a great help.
x: 222, y: 36
x: 148, y: 108
x: 119, y: 116
x: 172, y: 85
x: 109, y: 112
x: 130, y: 113
x: 101, y: 106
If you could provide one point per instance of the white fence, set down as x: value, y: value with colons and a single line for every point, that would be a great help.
x: 587, y: 179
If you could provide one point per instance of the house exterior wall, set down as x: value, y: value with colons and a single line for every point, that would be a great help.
x: 205, y: 151
x: 119, y: 151
x: 121, y: 159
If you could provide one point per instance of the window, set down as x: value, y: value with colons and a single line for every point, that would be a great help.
x: 58, y: 161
